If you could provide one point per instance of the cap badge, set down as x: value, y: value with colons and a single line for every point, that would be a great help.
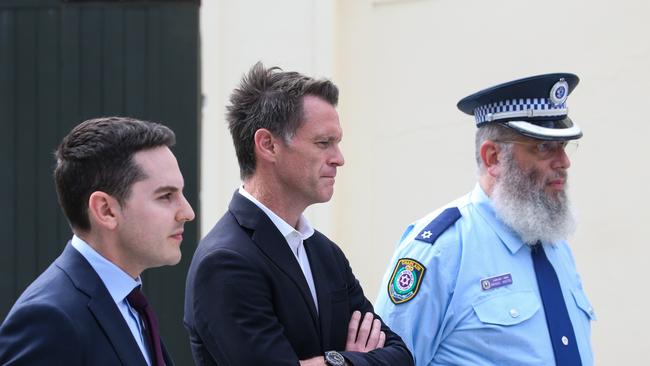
x: 559, y: 92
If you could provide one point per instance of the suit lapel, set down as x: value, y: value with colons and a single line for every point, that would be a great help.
x: 168, y: 358
x: 269, y: 239
x: 322, y: 283
x: 116, y: 330
x: 102, y: 306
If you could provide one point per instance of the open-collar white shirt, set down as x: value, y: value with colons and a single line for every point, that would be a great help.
x: 295, y: 239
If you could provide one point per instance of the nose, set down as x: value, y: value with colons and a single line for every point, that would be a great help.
x: 337, y: 158
x: 185, y: 213
x: 561, y: 160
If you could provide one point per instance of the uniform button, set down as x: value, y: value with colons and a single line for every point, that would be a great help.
x: 514, y: 313
x: 565, y: 340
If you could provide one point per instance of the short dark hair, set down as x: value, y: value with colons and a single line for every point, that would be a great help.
x: 271, y: 99
x: 97, y: 155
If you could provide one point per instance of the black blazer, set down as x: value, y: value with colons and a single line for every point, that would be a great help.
x: 247, y: 302
x: 67, y: 317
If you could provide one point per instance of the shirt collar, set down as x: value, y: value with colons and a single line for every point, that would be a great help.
x: 118, y: 283
x: 486, y: 210
x: 304, y: 229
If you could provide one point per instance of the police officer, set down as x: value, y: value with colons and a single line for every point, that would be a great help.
x: 489, y: 279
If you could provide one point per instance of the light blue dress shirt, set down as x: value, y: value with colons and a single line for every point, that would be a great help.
x: 453, y: 320
x: 119, y: 284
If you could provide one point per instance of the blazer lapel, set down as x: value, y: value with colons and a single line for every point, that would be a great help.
x: 102, y: 306
x: 269, y: 239
x: 323, y: 290
x: 168, y: 358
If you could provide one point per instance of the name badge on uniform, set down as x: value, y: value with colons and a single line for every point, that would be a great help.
x: 496, y: 281
x: 405, y: 281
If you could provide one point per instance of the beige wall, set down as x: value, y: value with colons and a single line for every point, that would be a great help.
x: 402, y: 66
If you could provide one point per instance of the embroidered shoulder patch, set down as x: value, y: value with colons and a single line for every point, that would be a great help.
x: 438, y: 226
x: 405, y: 281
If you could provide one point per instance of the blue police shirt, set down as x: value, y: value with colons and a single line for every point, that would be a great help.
x: 469, y: 296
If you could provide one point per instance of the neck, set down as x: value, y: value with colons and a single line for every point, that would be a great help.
x: 109, y: 250
x: 271, y: 195
x: 487, y: 183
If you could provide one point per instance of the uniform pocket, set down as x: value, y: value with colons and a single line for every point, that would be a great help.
x: 583, y: 303
x: 507, y: 308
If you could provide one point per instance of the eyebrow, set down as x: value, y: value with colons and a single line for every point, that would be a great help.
x: 166, y: 189
x: 328, y: 138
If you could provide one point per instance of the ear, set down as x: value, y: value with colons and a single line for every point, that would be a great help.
x: 265, y: 144
x: 490, y: 156
x: 102, y: 210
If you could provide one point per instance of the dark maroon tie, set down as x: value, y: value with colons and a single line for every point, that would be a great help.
x: 141, y: 305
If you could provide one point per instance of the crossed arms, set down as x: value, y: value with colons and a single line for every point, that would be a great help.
x: 244, y: 311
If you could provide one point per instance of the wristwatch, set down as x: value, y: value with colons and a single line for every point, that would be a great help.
x: 334, y: 358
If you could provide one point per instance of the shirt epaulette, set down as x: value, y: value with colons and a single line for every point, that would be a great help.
x: 438, y: 226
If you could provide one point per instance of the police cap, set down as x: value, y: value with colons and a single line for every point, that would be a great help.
x: 534, y: 106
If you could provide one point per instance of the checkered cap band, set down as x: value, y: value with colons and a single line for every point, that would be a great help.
x: 514, y: 108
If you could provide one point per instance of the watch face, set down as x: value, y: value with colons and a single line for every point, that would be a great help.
x: 334, y: 358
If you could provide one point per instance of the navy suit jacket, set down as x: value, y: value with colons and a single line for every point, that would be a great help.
x: 247, y: 302
x: 67, y: 317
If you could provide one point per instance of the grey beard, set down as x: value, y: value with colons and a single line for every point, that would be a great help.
x: 523, y: 205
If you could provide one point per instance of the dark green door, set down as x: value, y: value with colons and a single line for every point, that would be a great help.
x: 62, y: 62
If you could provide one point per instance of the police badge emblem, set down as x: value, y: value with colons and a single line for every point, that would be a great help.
x: 559, y: 92
x: 405, y: 281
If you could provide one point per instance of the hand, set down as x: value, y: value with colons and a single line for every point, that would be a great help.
x: 364, y: 335
x: 316, y: 361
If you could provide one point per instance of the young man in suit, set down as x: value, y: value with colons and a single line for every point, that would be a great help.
x: 265, y: 288
x: 121, y: 189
